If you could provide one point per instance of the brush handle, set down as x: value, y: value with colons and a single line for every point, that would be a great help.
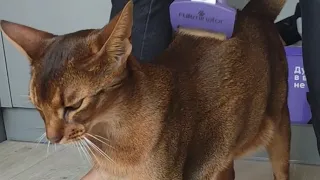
x: 224, y: 2
x: 208, y: 15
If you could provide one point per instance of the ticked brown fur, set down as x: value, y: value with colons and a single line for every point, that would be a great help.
x: 203, y: 103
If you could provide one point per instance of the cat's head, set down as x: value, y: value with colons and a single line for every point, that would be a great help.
x: 75, y: 76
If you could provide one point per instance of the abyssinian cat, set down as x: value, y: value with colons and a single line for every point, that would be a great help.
x: 203, y: 103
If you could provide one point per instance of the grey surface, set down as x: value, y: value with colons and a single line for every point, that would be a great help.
x: 26, y: 125
x: 23, y: 124
x: 59, y: 17
x: 303, y: 146
x: 26, y: 161
x: 2, y: 129
x: 5, y: 97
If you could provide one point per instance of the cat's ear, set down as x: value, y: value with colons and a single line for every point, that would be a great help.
x: 116, y: 37
x: 31, y: 42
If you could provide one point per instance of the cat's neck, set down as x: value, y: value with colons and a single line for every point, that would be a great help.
x: 140, y: 113
x: 151, y: 83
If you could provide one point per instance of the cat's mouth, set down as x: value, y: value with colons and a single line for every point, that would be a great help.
x: 86, y: 143
x: 73, y: 133
x: 89, y: 139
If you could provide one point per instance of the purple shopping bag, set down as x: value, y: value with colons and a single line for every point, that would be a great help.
x: 299, y: 108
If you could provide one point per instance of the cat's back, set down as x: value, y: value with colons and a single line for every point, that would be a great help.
x: 225, y: 75
x: 214, y: 63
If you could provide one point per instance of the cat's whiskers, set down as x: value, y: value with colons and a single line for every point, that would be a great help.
x: 40, y: 139
x: 85, y: 151
x: 76, y: 144
x: 86, y: 146
x: 92, y: 145
x: 48, y: 148
x: 97, y: 138
x: 95, y: 147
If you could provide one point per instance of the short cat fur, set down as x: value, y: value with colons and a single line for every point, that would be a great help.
x: 202, y: 104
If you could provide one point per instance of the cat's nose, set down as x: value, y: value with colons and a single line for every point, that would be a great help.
x: 54, y: 133
x: 55, y: 139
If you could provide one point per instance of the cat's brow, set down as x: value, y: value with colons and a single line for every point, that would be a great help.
x: 70, y: 97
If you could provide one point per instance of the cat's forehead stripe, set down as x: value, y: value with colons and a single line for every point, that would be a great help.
x: 56, y: 99
x: 65, y: 48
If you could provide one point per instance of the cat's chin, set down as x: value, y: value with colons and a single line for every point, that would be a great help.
x: 93, y: 174
x: 72, y: 141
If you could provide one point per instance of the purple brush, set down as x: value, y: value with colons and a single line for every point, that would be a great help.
x: 209, y: 15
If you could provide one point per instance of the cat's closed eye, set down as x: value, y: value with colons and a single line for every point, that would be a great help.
x: 116, y: 85
x: 71, y: 108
